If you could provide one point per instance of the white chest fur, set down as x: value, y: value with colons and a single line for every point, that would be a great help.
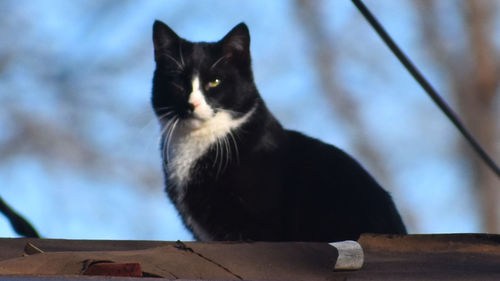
x: 188, y: 144
x: 193, y: 137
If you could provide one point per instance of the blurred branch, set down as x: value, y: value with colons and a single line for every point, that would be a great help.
x: 57, y: 146
x: 74, y: 87
x: 473, y: 74
x: 20, y: 225
x: 340, y: 99
x: 324, y: 55
x: 430, y: 28
x: 480, y: 19
x: 478, y: 105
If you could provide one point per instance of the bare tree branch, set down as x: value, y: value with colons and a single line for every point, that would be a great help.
x: 473, y: 74
x: 341, y: 100
x: 324, y: 56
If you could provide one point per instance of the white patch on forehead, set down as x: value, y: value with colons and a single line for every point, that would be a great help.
x: 202, y: 109
x: 189, y: 143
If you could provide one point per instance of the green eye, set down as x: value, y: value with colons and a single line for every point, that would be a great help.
x: 213, y: 84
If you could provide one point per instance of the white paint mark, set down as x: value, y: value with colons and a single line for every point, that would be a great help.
x: 351, y: 256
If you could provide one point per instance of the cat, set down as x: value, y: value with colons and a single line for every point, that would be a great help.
x: 233, y: 172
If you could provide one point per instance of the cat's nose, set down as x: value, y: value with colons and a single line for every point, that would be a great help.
x: 194, y: 102
x: 190, y: 108
x: 192, y: 105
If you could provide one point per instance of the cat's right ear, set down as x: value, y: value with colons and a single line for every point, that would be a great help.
x: 237, y: 42
x: 163, y: 37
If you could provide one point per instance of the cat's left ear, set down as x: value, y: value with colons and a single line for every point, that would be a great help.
x: 164, y: 38
x: 237, y: 42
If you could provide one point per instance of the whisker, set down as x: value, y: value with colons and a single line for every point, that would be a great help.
x: 220, y: 161
x: 165, y: 153
x: 182, y: 59
x: 166, y: 115
x: 173, y: 72
x: 164, y: 133
x: 169, y: 137
x: 181, y: 66
x: 217, y: 61
x: 235, y: 147
x: 178, y: 86
x: 166, y: 108
x: 166, y: 128
x: 228, y: 153
x: 224, y: 156
x: 147, y: 125
x: 219, y: 147
x: 167, y: 132
x: 164, y: 137
x: 216, y: 148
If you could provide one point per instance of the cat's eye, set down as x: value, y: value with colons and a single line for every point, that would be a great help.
x: 214, y: 83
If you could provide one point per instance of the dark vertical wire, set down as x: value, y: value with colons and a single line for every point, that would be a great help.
x: 434, y: 95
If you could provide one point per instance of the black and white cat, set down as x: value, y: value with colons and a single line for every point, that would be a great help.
x: 231, y: 169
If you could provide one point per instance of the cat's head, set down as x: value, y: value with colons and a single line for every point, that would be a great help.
x: 194, y: 81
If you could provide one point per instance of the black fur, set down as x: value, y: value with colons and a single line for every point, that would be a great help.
x: 284, y: 186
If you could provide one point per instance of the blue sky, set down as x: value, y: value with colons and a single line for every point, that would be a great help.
x: 66, y: 201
